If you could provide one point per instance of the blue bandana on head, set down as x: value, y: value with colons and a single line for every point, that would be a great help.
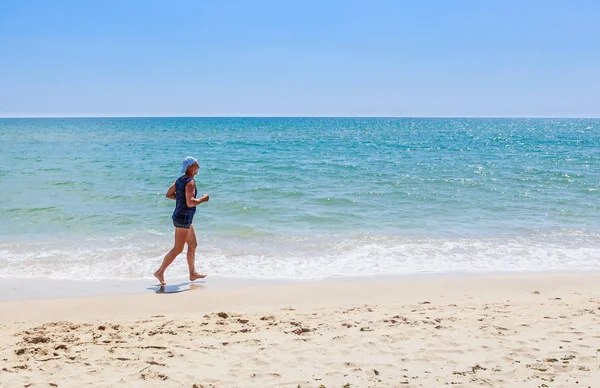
x: 188, y: 161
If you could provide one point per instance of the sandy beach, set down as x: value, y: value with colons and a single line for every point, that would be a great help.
x: 538, y: 330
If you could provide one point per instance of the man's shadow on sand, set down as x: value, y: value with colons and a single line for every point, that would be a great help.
x: 176, y: 288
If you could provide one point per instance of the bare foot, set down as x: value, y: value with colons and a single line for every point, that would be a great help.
x: 161, y: 278
x: 196, y: 276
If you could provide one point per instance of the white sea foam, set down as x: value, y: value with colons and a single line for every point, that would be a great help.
x: 301, y: 258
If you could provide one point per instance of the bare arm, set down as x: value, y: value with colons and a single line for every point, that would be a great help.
x: 190, y: 188
x: 171, y: 192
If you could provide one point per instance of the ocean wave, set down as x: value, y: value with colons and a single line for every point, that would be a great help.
x: 303, y: 257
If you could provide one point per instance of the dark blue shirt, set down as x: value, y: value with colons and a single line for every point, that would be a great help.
x: 183, y: 214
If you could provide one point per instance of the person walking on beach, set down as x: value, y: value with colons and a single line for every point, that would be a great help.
x: 184, y: 192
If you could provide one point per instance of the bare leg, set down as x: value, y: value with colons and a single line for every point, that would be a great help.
x: 181, y: 236
x: 191, y: 255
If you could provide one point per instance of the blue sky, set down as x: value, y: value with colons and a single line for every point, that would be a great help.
x: 300, y: 58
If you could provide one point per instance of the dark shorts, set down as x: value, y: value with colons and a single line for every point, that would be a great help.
x: 183, y: 219
x: 180, y: 225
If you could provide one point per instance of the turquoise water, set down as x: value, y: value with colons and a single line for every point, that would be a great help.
x: 301, y: 197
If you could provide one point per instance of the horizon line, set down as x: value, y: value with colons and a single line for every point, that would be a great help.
x: 292, y: 116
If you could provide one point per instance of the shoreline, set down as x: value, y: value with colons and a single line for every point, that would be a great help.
x: 517, y: 330
x: 256, y: 294
x: 19, y: 289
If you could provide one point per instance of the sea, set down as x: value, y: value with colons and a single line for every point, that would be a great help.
x: 300, y: 198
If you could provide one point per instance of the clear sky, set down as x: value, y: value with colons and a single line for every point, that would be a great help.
x: 499, y: 58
